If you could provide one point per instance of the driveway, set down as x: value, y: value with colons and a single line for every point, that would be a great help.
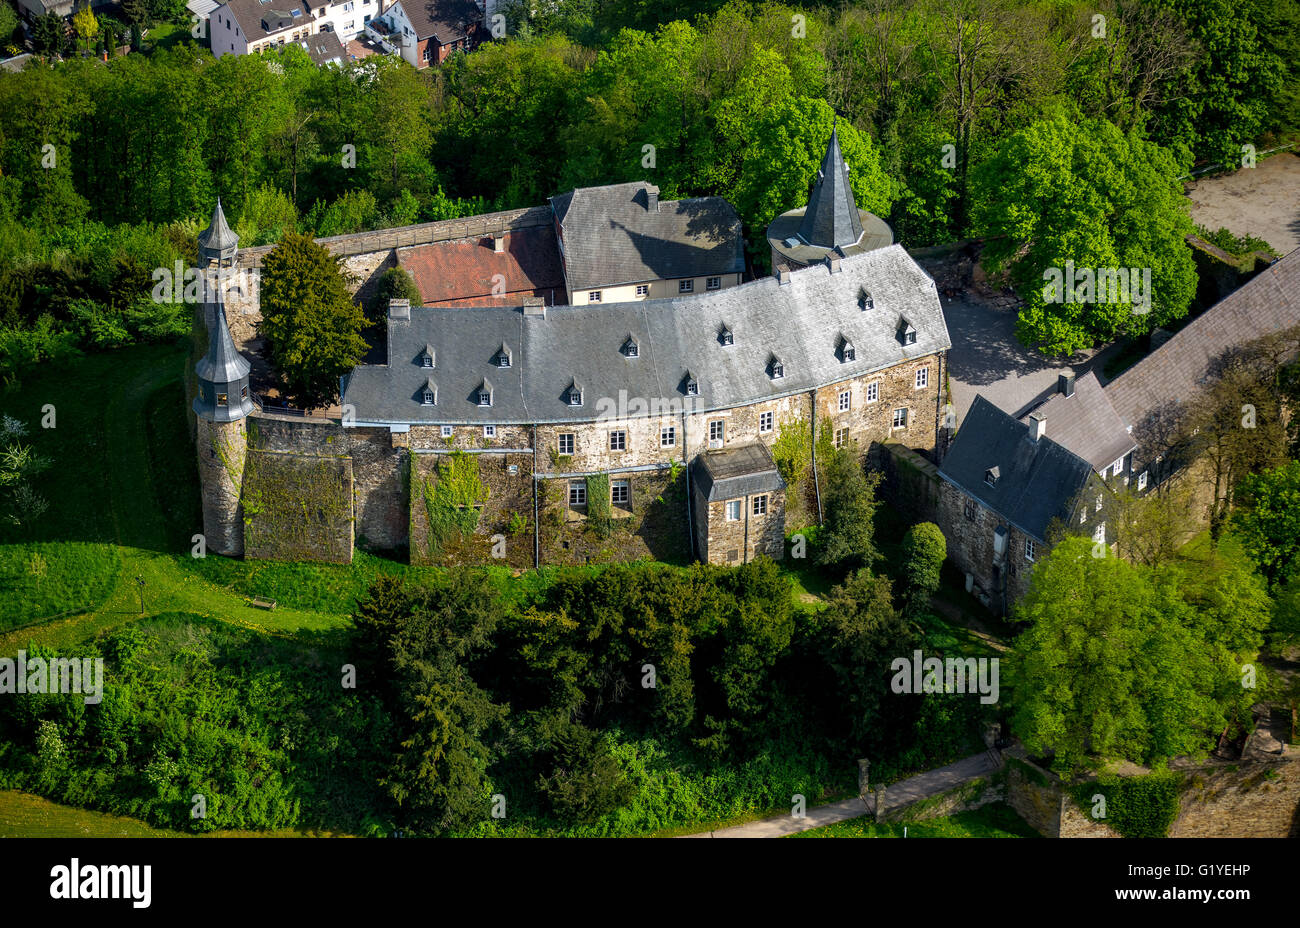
x: 1263, y: 201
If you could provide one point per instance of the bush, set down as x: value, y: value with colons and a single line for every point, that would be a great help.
x: 1136, y: 807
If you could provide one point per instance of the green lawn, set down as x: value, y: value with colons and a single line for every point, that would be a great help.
x: 991, y: 821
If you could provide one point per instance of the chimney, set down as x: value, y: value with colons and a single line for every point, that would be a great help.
x: 535, y: 306
x: 782, y: 274
x: 399, y: 310
x: 499, y: 242
x: 1037, y: 425
x: 1065, y: 384
x: 652, y: 199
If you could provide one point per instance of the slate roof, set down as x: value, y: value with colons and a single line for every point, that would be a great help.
x: 802, y: 321
x: 218, y: 236
x: 462, y: 270
x: 742, y: 470
x: 1086, y: 423
x: 1037, y: 480
x: 610, y: 237
x: 223, y: 363
x: 444, y: 20
x: 324, y: 48
x: 1269, y: 302
x: 258, y: 20
x: 831, y: 217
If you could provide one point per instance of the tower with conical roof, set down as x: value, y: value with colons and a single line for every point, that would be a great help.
x: 222, y: 403
x: 830, y: 224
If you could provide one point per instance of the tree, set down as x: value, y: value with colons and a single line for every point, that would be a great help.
x: 585, y: 782
x: 394, y: 284
x: 8, y: 23
x: 85, y: 24
x: 312, y: 327
x: 49, y: 34
x: 924, y: 549
x: 1268, y: 522
x: 1089, y: 223
x: 848, y: 500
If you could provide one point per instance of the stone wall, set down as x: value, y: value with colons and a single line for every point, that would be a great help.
x: 222, y: 448
x: 968, y: 796
x: 503, y: 533
x: 1260, y: 800
x: 968, y: 527
x: 298, y: 507
x: 653, y: 524
x: 721, y: 542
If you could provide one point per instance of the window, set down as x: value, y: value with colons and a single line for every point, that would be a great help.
x: 733, y: 510
x: 923, y: 378
x: 713, y: 283
x: 642, y: 289
x: 717, y: 432
x: 1083, y: 515
x: 969, y: 512
x: 351, y: 26
x: 1142, y: 480
x: 485, y: 397
x: 845, y: 401
x: 873, y: 391
x: 618, y: 441
x: 760, y: 505
x: 503, y: 357
x: 630, y: 349
x: 566, y: 442
x: 1029, y: 549
x: 1117, y: 467
x: 692, y: 386
x: 841, y: 437
x: 726, y: 337
x: 765, y: 422
x: 448, y: 431
x: 593, y: 296
x: 427, y: 398
x: 619, y: 492
x: 668, y: 436
x: 577, y: 493
x: 1098, y: 506
x: 223, y: 399
x: 1099, y: 534
x: 778, y: 369
x: 426, y: 361
x: 574, y: 396
x: 900, y: 419
x: 243, y: 393
x: 685, y: 286
x: 991, y: 476
x: 489, y: 431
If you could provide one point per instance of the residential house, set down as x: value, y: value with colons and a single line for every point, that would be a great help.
x: 426, y: 32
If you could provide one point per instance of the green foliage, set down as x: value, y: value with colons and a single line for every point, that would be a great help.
x: 848, y: 501
x: 1268, y: 522
x: 1136, y: 807
x: 586, y: 782
x: 599, y: 518
x: 792, y: 451
x: 924, y: 550
x: 44, y: 579
x: 1236, y: 245
x: 268, y: 215
x: 394, y: 284
x: 453, y: 499
x: 991, y: 821
x: 312, y: 327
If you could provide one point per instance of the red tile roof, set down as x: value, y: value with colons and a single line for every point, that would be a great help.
x: 461, y: 272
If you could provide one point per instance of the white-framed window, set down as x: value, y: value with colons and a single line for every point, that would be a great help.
x: 347, y: 7
x: 900, y: 418
x: 485, y: 397
x: 565, y: 442
x: 760, y: 505
x: 717, y: 431
x: 620, y: 492
x: 1083, y: 515
x: 845, y: 401
x: 618, y: 441
x: 1117, y: 467
x: 427, y: 398
x: 733, y: 510
x: 593, y: 296
x: 1099, y: 534
x: 685, y: 286
x: 922, y: 378
x: 668, y: 436
x: 1098, y: 503
x: 447, y: 431
x: 713, y: 283
x: 1142, y: 480
x: 642, y: 289
x: 841, y: 437
x: 489, y: 431
x: 1029, y: 549
x: 873, y: 391
x: 577, y: 492
x: 765, y: 420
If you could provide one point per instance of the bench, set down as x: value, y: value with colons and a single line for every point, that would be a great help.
x: 268, y: 604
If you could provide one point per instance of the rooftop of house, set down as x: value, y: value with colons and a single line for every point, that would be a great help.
x: 802, y: 323
x: 742, y: 470
x: 1269, y: 302
x: 1086, y: 423
x: 623, y: 234
x: 1035, y: 481
x: 463, y: 271
x: 444, y: 20
x: 260, y: 19
x: 324, y: 48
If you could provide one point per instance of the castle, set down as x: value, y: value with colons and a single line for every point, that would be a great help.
x: 656, y: 417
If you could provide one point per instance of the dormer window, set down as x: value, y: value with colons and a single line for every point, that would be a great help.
x: 991, y: 476
x: 865, y: 300
x: 502, y: 357
x: 847, y: 351
x: 429, y: 395
x: 906, y: 333
x: 775, y: 368
x: 426, y: 357
x: 573, y: 395
x: 484, y: 393
x: 630, y: 349
x: 690, y: 385
x: 725, y: 337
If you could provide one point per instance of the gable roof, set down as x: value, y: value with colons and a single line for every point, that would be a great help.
x: 1086, y: 423
x: 1037, y: 480
x: 324, y: 48
x: 444, y: 20
x: 611, y: 236
x: 801, y: 320
x: 1269, y: 302
x: 832, y: 215
x: 741, y: 470
x: 463, y: 270
x: 258, y: 20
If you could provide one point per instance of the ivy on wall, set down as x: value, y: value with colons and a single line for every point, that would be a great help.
x: 452, y: 501
x: 599, y: 518
x: 1136, y: 807
x: 792, y: 452
x: 297, y: 507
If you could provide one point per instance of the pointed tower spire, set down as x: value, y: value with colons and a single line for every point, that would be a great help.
x: 831, y: 218
x: 218, y: 242
x: 223, y: 373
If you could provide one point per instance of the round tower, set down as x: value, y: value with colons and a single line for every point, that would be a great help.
x: 221, y: 406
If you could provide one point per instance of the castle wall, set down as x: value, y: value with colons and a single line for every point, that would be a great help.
x: 222, y: 448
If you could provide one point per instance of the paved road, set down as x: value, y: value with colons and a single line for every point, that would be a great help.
x: 930, y: 783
